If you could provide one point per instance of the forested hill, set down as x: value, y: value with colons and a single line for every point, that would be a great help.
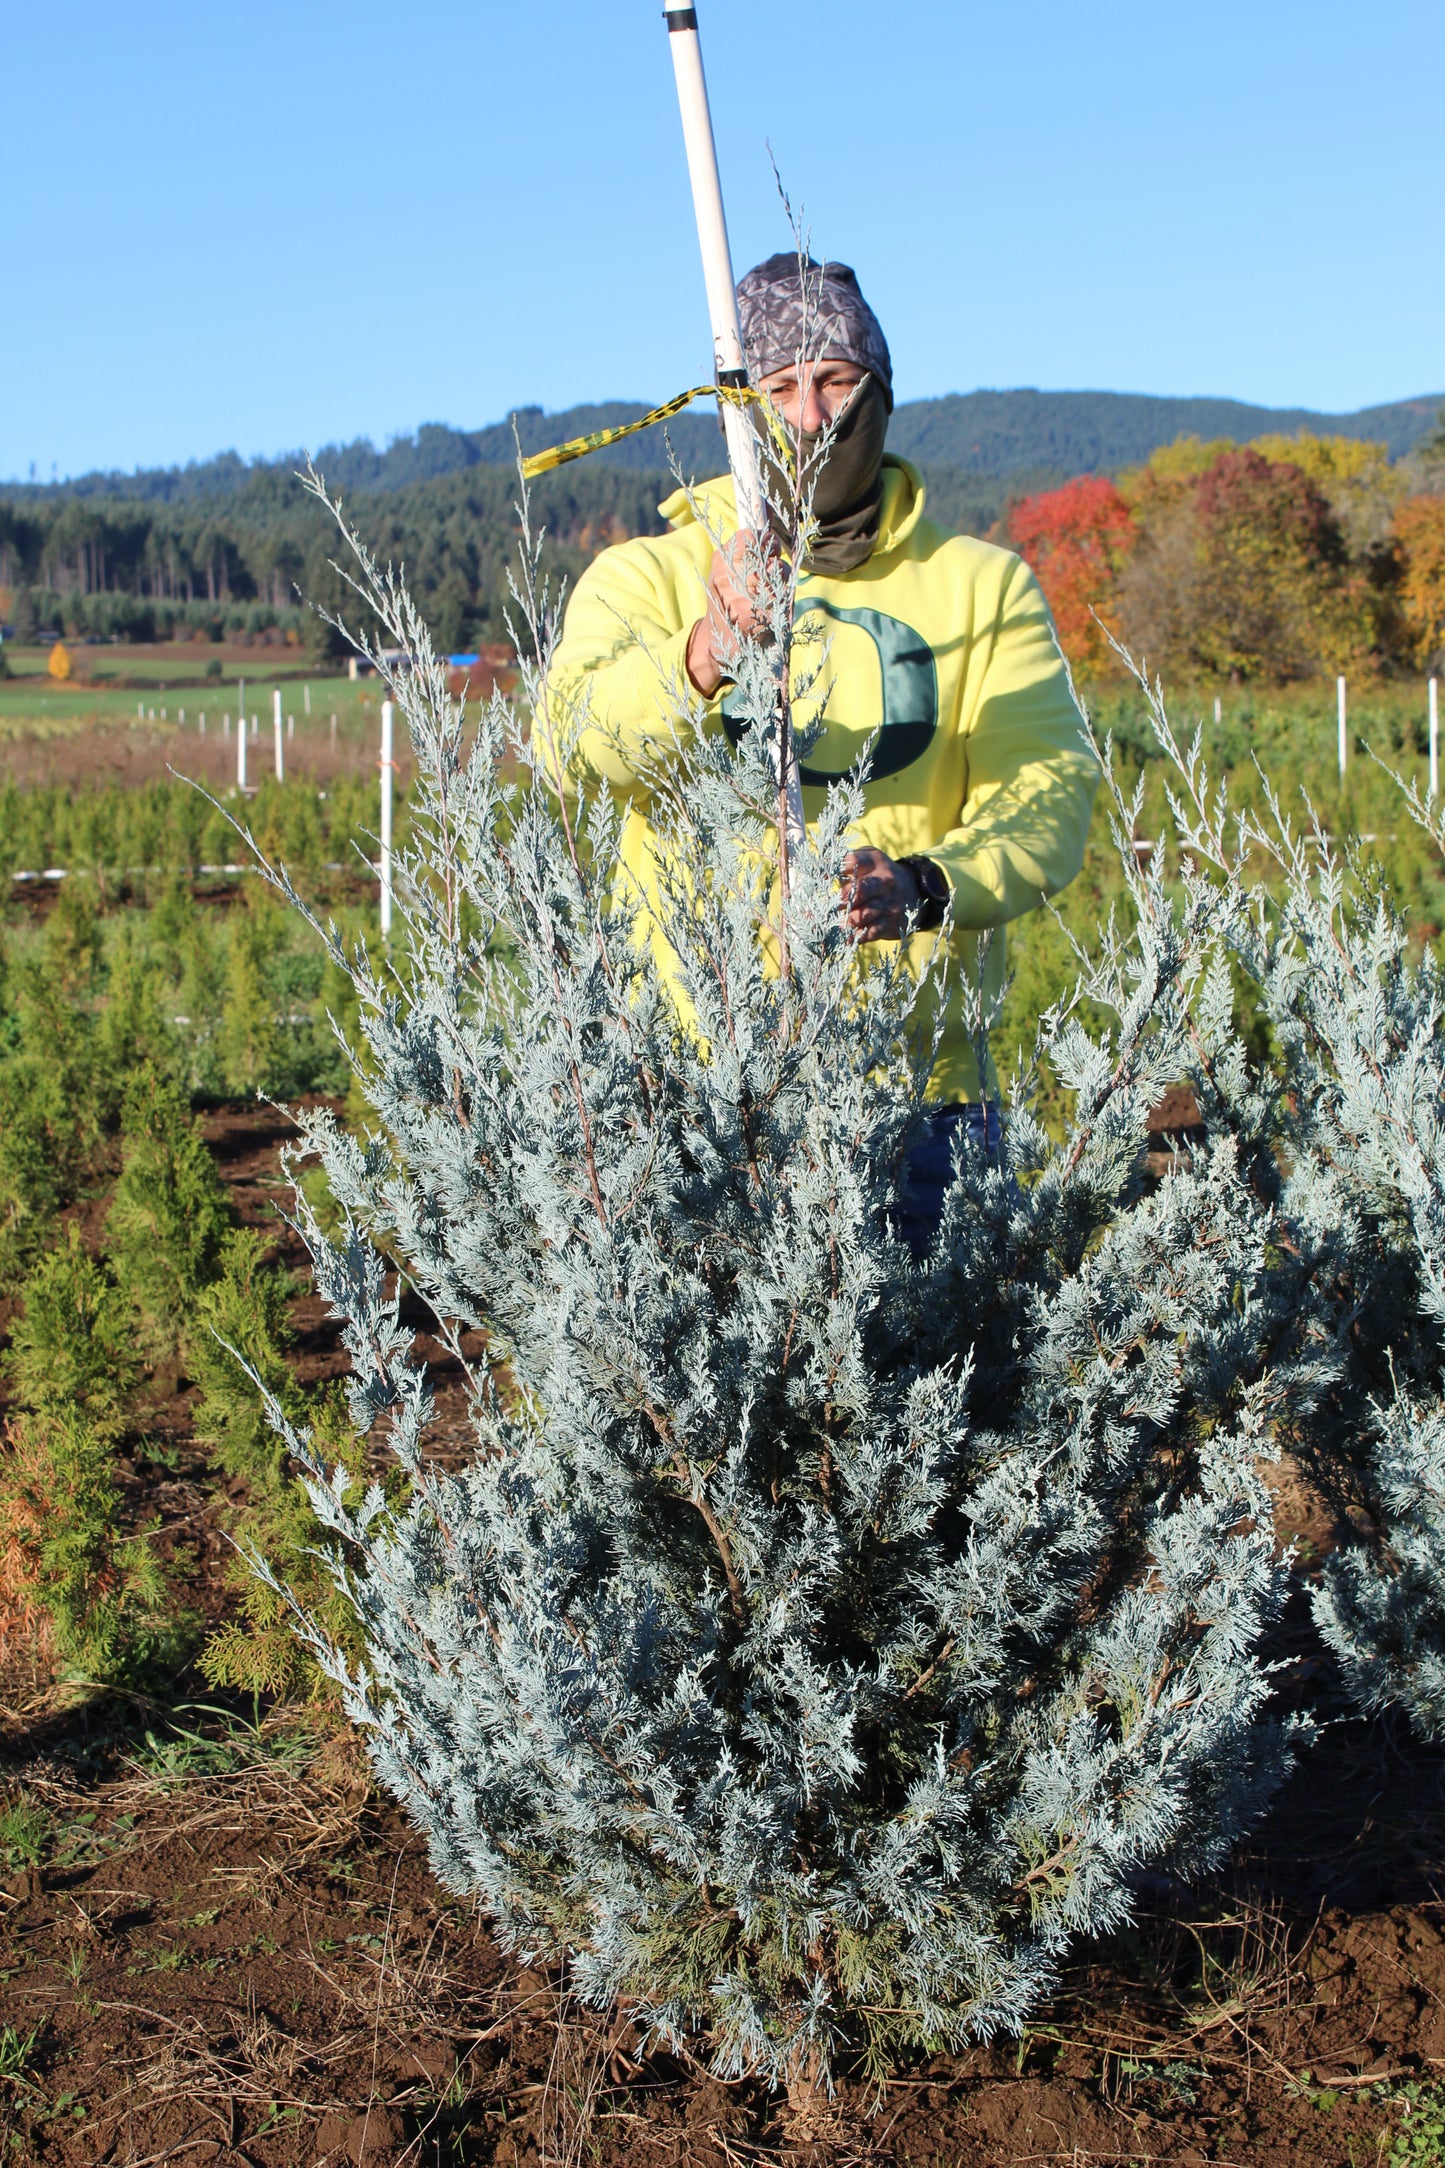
x: 1009, y: 438
x: 1098, y: 432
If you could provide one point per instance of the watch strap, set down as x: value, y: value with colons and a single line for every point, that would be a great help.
x: 933, y: 891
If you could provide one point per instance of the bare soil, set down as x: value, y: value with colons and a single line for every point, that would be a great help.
x: 232, y: 1949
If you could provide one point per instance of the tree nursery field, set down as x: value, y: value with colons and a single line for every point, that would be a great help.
x: 784, y: 1699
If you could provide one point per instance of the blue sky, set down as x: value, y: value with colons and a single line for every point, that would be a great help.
x: 278, y: 226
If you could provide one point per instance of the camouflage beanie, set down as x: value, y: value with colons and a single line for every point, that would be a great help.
x: 840, y: 324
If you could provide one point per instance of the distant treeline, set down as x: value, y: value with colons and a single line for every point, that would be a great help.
x: 1003, y: 442
x: 98, y: 568
x: 102, y: 568
x: 231, y: 549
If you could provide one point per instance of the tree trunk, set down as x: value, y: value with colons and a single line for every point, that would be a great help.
x: 811, y: 2112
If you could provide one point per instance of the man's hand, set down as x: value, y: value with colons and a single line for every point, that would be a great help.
x: 731, y: 589
x: 878, y: 896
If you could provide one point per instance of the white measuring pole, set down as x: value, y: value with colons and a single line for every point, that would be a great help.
x: 276, y: 716
x: 386, y: 771
x: 722, y: 300
x: 717, y: 267
x: 1340, y: 706
x: 1434, y: 698
x: 241, y: 751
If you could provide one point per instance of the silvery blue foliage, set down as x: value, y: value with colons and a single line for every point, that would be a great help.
x: 1342, y: 1129
x: 817, y: 1641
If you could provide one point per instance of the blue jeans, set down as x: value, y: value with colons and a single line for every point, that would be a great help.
x: 930, y: 1166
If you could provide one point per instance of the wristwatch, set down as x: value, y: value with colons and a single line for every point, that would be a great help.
x: 933, y: 892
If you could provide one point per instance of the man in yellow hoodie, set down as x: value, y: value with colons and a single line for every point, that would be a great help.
x: 940, y: 650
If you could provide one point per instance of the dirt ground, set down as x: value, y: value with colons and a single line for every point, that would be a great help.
x: 128, y: 754
x: 219, y: 1944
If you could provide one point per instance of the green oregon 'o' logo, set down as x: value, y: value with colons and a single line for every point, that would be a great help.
x: 910, y: 693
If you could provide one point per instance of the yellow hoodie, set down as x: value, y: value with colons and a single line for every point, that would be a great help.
x: 982, y: 762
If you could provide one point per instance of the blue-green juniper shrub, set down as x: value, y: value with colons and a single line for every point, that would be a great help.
x: 816, y: 1642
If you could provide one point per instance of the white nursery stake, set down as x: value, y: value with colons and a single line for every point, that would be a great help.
x: 241, y: 752
x: 290, y: 726
x: 333, y: 733
x: 1218, y: 709
x: 306, y: 696
x: 386, y: 771
x: 1340, y: 703
x: 1434, y: 697
x: 276, y: 715
x: 203, y: 722
x: 226, y: 724
x: 722, y: 303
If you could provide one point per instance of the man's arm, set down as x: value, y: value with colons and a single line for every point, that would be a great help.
x: 636, y: 657
x: 618, y: 692
x: 1031, y: 781
x: 1032, y: 773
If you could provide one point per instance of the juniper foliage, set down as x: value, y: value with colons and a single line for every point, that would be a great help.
x: 1341, y: 1125
x: 815, y: 1641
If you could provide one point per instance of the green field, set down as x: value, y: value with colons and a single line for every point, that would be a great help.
x: 113, y: 687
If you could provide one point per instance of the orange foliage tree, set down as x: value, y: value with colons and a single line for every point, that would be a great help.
x: 1420, y: 537
x: 59, y: 664
x: 1077, y: 539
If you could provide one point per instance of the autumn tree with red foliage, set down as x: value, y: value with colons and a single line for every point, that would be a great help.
x: 1077, y: 539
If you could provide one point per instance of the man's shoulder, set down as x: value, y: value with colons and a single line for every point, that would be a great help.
x: 965, y: 562
x: 910, y: 533
x: 969, y: 550
x: 651, y: 559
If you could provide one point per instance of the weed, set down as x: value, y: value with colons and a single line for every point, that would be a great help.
x: 16, y: 2051
x: 1419, y: 2141
x: 152, y: 1454
x: 24, y: 1833
x: 277, y: 2118
x: 1177, y: 2080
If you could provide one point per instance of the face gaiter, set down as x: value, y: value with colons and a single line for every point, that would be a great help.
x: 848, y: 486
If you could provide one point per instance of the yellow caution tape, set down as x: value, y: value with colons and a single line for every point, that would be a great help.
x: 578, y: 447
